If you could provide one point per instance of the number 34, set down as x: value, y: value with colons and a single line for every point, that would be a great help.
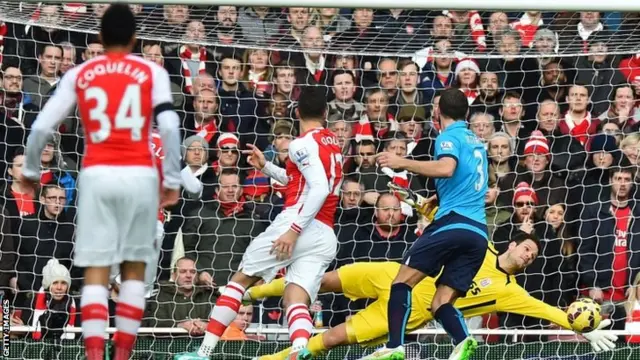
x: 128, y: 115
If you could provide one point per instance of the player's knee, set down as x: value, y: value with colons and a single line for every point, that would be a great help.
x: 295, y: 294
x: 331, y: 282
x: 244, y: 280
x: 444, y: 295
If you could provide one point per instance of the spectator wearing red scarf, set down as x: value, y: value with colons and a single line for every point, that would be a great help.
x: 577, y: 121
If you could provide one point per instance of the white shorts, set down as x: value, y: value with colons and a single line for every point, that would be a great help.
x: 151, y: 270
x: 117, y: 212
x: 314, y: 251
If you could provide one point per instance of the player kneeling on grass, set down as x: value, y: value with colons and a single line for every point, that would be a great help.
x: 493, y: 289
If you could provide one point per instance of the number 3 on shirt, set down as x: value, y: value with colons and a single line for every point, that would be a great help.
x: 128, y: 115
x: 480, y: 169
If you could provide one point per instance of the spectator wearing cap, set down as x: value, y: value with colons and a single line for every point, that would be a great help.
x: 541, y: 279
x: 228, y: 153
x: 412, y: 120
x: 217, y: 233
x: 49, y: 233
x: 598, y: 71
x: 466, y: 78
x: 489, y: 97
x: 610, y: 245
x: 195, y: 153
x: 53, y: 310
x: 545, y: 43
x: 578, y: 121
x: 549, y: 189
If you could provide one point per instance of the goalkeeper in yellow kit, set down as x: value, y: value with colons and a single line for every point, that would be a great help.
x: 494, y: 289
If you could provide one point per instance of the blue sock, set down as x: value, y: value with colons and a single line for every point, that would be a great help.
x: 398, y: 311
x: 453, y: 323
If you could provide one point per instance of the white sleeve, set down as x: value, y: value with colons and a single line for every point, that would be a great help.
x: 191, y: 184
x: 168, y: 127
x: 276, y: 172
x: 54, y: 112
x: 305, y: 154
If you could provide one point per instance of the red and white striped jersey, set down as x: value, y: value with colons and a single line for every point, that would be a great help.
x: 315, y: 156
x: 116, y: 96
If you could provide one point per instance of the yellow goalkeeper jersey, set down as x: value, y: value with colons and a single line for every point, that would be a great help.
x: 492, y: 290
x: 495, y: 290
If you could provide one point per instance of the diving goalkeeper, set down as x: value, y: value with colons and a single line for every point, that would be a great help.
x: 493, y: 289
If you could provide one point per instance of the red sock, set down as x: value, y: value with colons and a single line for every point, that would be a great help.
x: 95, y: 317
x: 129, y: 312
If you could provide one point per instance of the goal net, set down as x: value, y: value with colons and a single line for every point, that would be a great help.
x: 555, y: 96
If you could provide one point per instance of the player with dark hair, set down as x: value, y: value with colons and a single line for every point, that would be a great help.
x: 301, y: 238
x: 118, y: 95
x: 493, y: 289
x: 455, y: 242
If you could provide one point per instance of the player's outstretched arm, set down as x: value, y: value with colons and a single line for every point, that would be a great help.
x: 54, y: 112
x: 168, y: 127
x: 520, y: 302
x: 442, y: 168
x: 257, y: 160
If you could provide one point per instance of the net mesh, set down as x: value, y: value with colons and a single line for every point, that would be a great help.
x: 553, y: 95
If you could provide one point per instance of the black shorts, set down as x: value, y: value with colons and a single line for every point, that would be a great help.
x: 454, y: 242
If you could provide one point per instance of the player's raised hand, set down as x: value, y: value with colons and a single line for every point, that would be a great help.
x: 169, y: 197
x: 390, y: 160
x: 601, y: 340
x: 283, y: 247
x: 255, y: 157
x: 30, y: 185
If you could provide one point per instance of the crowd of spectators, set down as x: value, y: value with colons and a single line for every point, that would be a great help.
x: 561, y: 130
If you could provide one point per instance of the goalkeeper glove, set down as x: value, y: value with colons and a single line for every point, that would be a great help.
x: 424, y: 206
x: 601, y: 340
